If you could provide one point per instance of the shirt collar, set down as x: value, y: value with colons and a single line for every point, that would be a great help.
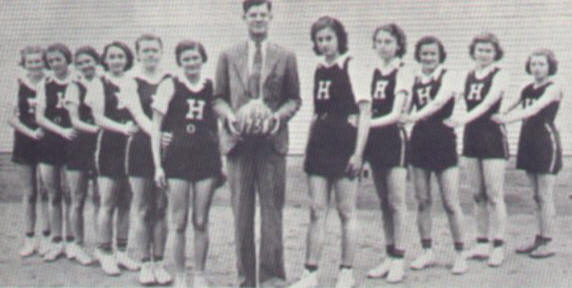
x: 393, y: 65
x: 340, y: 61
x: 23, y: 77
x: 155, y: 79
x: 486, y: 71
x: 71, y: 77
x: 194, y: 87
x: 434, y: 76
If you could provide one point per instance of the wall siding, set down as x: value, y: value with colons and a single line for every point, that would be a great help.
x: 520, y: 25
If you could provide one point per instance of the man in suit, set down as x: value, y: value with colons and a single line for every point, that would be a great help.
x: 263, y: 75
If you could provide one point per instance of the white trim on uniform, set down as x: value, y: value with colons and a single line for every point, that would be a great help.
x: 127, y: 148
x: 98, y: 151
x: 554, y: 148
x: 403, y: 138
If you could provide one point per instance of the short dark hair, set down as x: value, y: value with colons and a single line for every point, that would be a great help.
x: 189, y: 45
x: 487, y: 37
x: 334, y: 24
x: 247, y: 4
x: 58, y: 47
x: 147, y: 37
x: 88, y: 50
x: 430, y: 40
x: 550, y: 58
x: 32, y: 49
x: 122, y: 46
x: 397, y: 33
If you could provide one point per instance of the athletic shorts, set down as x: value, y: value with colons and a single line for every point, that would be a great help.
x: 539, y: 149
x: 25, y: 150
x: 485, y: 140
x: 139, y: 158
x: 110, y: 155
x: 331, y: 144
x: 433, y: 146
x: 386, y: 147
x: 81, y: 153
x: 53, y: 149
x: 193, y: 155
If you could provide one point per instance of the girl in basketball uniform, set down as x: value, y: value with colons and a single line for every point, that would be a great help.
x: 108, y: 99
x: 52, y: 116
x: 80, y: 153
x: 434, y: 149
x: 148, y: 201
x: 485, y: 144
x: 27, y: 134
x: 539, y: 148
x: 191, y: 162
x: 334, y: 152
x: 386, y: 148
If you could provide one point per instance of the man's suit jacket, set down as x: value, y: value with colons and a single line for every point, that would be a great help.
x: 280, y: 89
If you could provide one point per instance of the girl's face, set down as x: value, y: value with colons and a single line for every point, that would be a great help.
x: 327, y: 42
x: 539, y: 67
x: 34, y: 63
x: 57, y: 62
x: 191, y: 62
x: 116, y: 60
x: 86, y: 64
x: 149, y: 53
x: 484, y: 53
x: 385, y: 45
x: 429, y: 56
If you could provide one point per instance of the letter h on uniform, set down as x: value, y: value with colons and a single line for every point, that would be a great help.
x: 324, y: 90
x: 475, y: 93
x: 195, y: 109
x: 379, y: 92
x: 424, y: 95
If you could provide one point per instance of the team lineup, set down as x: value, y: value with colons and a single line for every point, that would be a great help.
x: 153, y: 141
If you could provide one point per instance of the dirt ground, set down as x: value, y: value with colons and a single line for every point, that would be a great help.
x: 518, y: 271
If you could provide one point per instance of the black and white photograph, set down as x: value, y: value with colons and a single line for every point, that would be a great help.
x: 285, y: 143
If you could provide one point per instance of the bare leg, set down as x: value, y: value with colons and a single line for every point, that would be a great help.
x: 202, y: 198
x: 178, y: 210
x: 346, y: 192
x: 319, y: 190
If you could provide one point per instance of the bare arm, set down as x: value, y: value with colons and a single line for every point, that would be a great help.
x: 393, y: 116
x: 15, y: 122
x: 72, y: 105
x: 552, y: 94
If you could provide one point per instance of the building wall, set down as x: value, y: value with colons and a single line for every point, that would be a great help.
x: 521, y: 25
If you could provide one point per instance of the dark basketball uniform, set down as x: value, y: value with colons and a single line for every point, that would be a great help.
x: 433, y: 144
x: 483, y: 138
x: 386, y: 146
x: 139, y: 159
x: 111, y: 146
x: 81, y: 150
x: 25, y: 148
x: 193, y: 154
x: 539, y: 148
x: 53, y: 147
x: 332, y: 139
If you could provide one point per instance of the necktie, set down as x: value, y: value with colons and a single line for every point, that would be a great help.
x: 255, y: 73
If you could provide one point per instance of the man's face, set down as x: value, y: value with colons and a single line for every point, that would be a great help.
x: 257, y: 19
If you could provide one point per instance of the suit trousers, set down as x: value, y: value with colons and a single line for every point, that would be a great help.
x: 255, y: 166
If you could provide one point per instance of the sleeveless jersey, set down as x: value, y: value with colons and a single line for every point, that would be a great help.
x: 145, y: 91
x: 529, y: 95
x: 425, y: 93
x: 55, y: 108
x: 115, y: 108
x: 382, y: 92
x: 333, y: 92
x: 190, y: 109
x: 476, y: 90
x: 27, y: 105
